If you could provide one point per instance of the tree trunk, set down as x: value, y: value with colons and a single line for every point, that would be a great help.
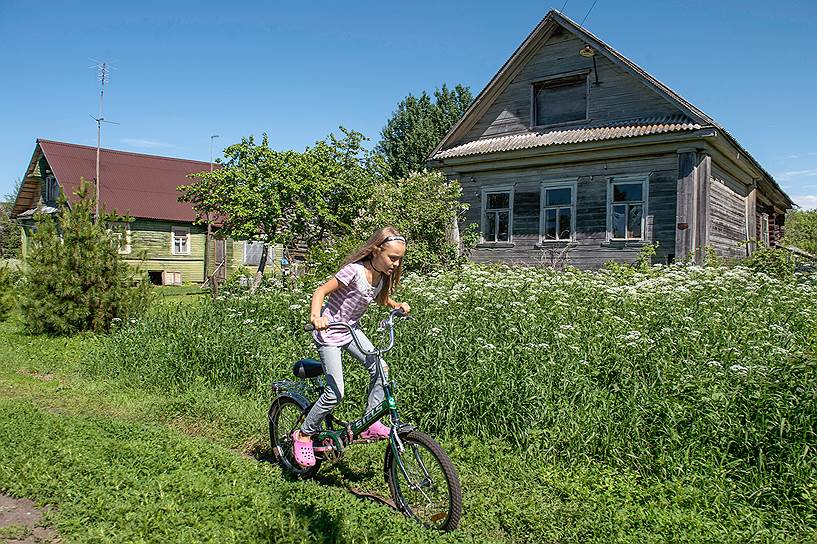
x: 452, y: 234
x: 262, y: 264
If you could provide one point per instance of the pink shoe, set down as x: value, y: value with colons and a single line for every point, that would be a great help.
x: 303, y: 452
x: 377, y: 431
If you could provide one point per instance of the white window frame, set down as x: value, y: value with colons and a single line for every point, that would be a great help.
x: 51, y: 187
x: 483, y: 219
x: 557, y: 184
x: 764, y: 229
x: 114, y: 227
x: 270, y: 252
x: 645, y: 198
x: 179, y: 232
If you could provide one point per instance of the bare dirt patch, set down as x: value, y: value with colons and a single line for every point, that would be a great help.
x: 36, y: 375
x: 22, y: 522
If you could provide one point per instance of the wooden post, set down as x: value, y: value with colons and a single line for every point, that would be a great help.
x: 685, y: 228
x: 692, y: 208
x: 751, y: 219
x: 703, y: 173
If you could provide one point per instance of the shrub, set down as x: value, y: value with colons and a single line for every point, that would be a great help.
x: 7, y: 299
x: 75, y: 278
x: 775, y: 262
x: 422, y: 206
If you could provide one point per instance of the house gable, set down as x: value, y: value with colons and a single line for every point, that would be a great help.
x: 618, y: 96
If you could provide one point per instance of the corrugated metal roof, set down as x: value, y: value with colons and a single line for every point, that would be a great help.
x: 527, y: 140
x: 142, y: 186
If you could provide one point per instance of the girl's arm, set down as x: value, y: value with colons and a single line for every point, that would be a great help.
x: 393, y: 304
x: 320, y: 293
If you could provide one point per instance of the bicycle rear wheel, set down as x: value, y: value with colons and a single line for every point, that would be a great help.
x: 285, y: 415
x: 424, y: 483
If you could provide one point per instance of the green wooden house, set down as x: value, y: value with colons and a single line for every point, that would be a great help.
x: 162, y: 237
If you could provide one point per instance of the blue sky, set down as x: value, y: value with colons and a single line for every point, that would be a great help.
x: 186, y: 70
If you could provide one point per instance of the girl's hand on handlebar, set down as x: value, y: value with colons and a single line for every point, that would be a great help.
x: 319, y: 322
x: 402, y: 306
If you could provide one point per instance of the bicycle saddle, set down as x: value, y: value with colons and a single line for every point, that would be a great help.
x: 307, y: 368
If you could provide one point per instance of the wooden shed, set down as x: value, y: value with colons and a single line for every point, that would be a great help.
x: 573, y: 148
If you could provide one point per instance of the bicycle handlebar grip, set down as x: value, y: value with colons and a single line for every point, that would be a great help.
x: 309, y: 327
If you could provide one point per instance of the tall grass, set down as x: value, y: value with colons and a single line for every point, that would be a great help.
x: 675, y: 373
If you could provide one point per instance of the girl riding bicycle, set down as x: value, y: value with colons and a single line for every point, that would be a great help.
x: 369, y: 274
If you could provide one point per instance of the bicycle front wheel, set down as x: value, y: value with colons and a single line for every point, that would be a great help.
x: 424, y: 483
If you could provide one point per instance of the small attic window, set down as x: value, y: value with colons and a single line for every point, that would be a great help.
x: 560, y: 100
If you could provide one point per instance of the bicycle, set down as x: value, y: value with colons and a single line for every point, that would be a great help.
x: 422, y: 479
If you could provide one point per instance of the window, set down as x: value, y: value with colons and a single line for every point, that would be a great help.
x: 181, y: 241
x: 52, y: 189
x: 497, y: 214
x: 120, y: 231
x: 252, y: 253
x: 560, y: 100
x: 764, y: 229
x: 558, y: 217
x: 626, y: 211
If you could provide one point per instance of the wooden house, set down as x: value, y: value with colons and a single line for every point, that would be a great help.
x: 573, y: 148
x: 162, y: 238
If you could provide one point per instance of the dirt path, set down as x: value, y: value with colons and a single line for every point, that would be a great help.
x: 20, y: 522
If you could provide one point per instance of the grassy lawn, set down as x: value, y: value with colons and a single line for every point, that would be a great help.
x: 126, y: 463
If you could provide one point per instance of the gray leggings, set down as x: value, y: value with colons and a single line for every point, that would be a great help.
x: 333, y: 392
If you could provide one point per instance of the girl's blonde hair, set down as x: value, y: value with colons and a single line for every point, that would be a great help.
x: 364, y: 252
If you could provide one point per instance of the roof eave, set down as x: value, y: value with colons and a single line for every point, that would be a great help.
x: 596, y: 147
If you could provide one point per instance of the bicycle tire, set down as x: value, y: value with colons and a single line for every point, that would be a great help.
x: 285, y: 415
x: 444, y: 512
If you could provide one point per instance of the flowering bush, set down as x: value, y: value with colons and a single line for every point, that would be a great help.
x: 675, y: 371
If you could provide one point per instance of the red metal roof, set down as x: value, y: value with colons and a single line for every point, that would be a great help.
x: 142, y: 186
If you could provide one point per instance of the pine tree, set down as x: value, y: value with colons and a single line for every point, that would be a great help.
x: 75, y: 278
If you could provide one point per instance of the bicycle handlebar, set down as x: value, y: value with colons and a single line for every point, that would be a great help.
x: 396, y: 312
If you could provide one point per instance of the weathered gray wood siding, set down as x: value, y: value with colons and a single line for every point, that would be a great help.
x: 728, y: 222
x: 592, y: 248
x: 619, y: 96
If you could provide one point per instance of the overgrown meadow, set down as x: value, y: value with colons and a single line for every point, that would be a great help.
x: 705, y: 376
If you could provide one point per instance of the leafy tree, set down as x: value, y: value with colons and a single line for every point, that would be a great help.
x: 285, y: 197
x: 801, y: 230
x: 422, y: 207
x: 75, y: 279
x: 418, y: 125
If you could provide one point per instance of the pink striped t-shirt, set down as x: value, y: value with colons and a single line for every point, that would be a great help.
x: 347, y: 303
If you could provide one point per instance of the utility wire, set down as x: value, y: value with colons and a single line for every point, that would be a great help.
x: 563, y: 6
x: 588, y: 12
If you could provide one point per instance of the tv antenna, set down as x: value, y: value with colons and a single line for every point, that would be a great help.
x: 104, y: 75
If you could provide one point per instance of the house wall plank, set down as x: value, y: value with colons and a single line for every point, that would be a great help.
x: 728, y: 228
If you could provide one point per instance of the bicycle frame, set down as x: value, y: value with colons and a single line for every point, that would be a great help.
x: 388, y: 406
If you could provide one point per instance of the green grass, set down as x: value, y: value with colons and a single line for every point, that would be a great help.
x: 629, y: 439
x: 121, y: 481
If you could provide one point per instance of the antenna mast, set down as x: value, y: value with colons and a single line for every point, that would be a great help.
x: 104, y: 75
